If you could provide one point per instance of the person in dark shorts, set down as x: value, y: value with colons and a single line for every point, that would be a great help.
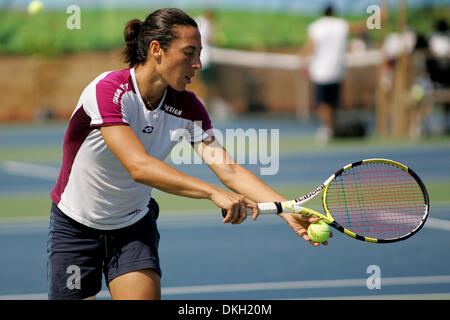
x: 80, y: 254
x: 327, y: 45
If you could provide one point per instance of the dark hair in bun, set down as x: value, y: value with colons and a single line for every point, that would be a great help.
x: 158, y: 26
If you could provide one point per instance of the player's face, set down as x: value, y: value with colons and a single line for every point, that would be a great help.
x: 182, y: 59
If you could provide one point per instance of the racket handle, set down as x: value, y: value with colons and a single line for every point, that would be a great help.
x: 249, y: 212
x: 264, y: 208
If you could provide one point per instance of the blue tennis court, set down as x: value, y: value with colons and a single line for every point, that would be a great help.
x: 204, y: 259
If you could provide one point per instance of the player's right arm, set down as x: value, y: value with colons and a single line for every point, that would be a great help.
x: 143, y: 168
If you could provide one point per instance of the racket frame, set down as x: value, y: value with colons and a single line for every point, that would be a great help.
x: 295, y: 206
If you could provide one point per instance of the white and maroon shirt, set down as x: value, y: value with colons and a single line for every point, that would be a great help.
x: 93, y: 187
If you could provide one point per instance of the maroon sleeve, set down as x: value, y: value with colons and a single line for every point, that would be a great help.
x: 202, y: 128
x: 108, y: 95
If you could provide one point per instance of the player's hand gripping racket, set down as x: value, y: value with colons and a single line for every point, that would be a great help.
x: 374, y: 200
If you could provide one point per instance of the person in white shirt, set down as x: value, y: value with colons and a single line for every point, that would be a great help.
x: 439, y: 63
x: 208, y: 74
x: 326, y: 46
x: 440, y: 40
x: 103, y: 217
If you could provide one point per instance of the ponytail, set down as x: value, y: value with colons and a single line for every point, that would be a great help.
x: 131, y: 51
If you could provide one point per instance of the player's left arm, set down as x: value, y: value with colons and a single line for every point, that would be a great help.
x: 242, y: 181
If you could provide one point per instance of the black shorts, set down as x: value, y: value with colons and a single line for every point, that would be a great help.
x: 77, y: 254
x: 328, y: 93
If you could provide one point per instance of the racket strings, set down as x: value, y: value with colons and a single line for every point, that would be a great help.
x: 376, y: 200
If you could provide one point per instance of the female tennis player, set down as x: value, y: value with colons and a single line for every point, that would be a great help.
x: 103, y: 218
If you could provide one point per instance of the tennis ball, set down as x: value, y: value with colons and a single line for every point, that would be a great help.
x: 318, y: 232
x: 34, y: 7
x: 417, y: 92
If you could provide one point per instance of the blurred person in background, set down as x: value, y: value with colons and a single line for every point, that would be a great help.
x: 206, y: 28
x: 326, y: 47
x: 431, y: 72
x: 208, y: 75
x: 439, y: 63
x: 440, y: 41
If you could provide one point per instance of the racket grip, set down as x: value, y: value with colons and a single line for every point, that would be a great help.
x: 224, y: 212
x: 264, y: 208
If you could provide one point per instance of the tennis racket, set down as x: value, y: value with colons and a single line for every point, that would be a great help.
x: 373, y: 200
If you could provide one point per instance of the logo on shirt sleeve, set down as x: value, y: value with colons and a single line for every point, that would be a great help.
x: 118, y: 93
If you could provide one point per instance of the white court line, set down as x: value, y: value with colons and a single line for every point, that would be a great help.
x: 31, y: 170
x: 440, y: 224
x: 268, y: 286
x: 416, y: 296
